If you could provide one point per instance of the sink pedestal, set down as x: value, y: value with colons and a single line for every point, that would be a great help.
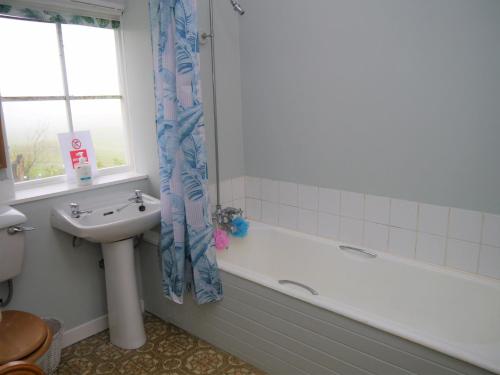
x: 126, y: 326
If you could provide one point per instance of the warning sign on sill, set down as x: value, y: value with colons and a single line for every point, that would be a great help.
x: 75, y: 145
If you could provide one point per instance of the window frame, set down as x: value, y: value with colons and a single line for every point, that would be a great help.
x: 67, y: 98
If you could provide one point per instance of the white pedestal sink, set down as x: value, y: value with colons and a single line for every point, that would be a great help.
x: 113, y: 224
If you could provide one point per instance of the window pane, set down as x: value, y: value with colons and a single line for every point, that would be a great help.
x: 104, y: 120
x: 29, y: 62
x: 91, y: 60
x: 32, y: 129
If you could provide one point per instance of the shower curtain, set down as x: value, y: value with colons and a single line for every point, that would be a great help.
x: 187, y: 255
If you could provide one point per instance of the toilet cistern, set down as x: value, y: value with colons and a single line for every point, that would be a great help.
x: 11, y: 242
x: 11, y: 248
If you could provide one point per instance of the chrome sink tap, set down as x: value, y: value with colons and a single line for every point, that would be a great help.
x: 137, y: 198
x: 76, y: 212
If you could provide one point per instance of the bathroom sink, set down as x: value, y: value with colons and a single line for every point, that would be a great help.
x: 113, y: 220
x: 110, y: 220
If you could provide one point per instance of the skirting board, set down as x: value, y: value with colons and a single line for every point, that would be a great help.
x: 91, y: 328
x: 84, y: 330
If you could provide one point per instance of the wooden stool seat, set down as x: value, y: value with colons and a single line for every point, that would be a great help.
x: 23, y: 337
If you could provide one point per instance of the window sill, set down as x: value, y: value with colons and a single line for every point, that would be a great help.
x: 58, y: 189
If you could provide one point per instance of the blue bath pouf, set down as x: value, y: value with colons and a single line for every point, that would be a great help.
x: 240, y: 227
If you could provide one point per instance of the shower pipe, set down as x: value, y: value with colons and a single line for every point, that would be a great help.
x: 214, y: 99
x: 237, y: 7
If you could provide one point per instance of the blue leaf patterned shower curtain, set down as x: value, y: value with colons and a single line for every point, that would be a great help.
x: 186, y: 251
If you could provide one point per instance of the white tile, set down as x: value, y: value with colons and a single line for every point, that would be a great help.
x: 489, y: 261
x: 351, y: 231
x: 238, y: 187
x: 253, y: 208
x: 402, y: 242
x: 377, y: 209
x: 308, y: 197
x: 239, y: 203
x: 329, y: 201
x: 433, y: 219
x: 404, y: 214
x: 270, y: 190
x: 226, y: 191
x: 289, y: 193
x: 308, y: 221
x: 491, y: 230
x: 270, y: 213
x: 288, y: 216
x: 252, y: 187
x: 352, y: 205
x: 462, y: 255
x: 465, y: 225
x: 328, y: 225
x: 431, y: 248
x: 376, y: 236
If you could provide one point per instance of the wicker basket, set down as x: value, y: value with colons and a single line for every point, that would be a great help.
x: 50, y: 360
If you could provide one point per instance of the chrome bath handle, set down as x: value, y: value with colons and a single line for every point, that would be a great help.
x: 308, y: 288
x: 362, y: 251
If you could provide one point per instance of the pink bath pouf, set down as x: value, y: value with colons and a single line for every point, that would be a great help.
x: 221, y: 239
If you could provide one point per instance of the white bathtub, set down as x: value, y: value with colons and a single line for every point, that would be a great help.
x: 382, y: 315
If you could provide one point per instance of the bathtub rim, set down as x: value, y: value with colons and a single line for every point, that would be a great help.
x: 361, y: 316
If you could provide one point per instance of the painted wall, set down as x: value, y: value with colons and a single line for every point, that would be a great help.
x: 58, y: 280
x: 138, y: 60
x: 398, y: 98
x: 227, y: 62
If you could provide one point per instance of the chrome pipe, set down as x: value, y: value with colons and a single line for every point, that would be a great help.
x: 237, y: 7
x: 214, y: 99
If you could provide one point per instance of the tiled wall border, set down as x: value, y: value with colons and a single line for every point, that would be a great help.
x: 232, y: 193
x: 446, y: 236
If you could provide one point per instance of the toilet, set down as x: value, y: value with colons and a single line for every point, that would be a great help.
x: 23, y: 336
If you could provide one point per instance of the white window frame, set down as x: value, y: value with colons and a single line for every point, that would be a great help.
x: 129, y: 160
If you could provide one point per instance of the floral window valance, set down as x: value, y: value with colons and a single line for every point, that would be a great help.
x: 56, y: 17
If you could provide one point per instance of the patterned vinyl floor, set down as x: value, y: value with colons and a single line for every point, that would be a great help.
x: 168, y: 350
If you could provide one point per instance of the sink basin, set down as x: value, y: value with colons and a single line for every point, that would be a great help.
x: 113, y: 221
x: 107, y: 223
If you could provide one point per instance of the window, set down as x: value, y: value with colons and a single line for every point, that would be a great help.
x: 57, y: 78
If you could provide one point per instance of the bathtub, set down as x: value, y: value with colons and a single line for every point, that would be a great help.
x: 299, y: 304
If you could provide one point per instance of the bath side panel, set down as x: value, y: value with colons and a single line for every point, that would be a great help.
x: 282, y: 335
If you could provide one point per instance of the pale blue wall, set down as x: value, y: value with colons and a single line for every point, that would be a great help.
x: 58, y: 280
x: 392, y: 97
x: 67, y: 283
x: 138, y: 61
x: 227, y: 62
